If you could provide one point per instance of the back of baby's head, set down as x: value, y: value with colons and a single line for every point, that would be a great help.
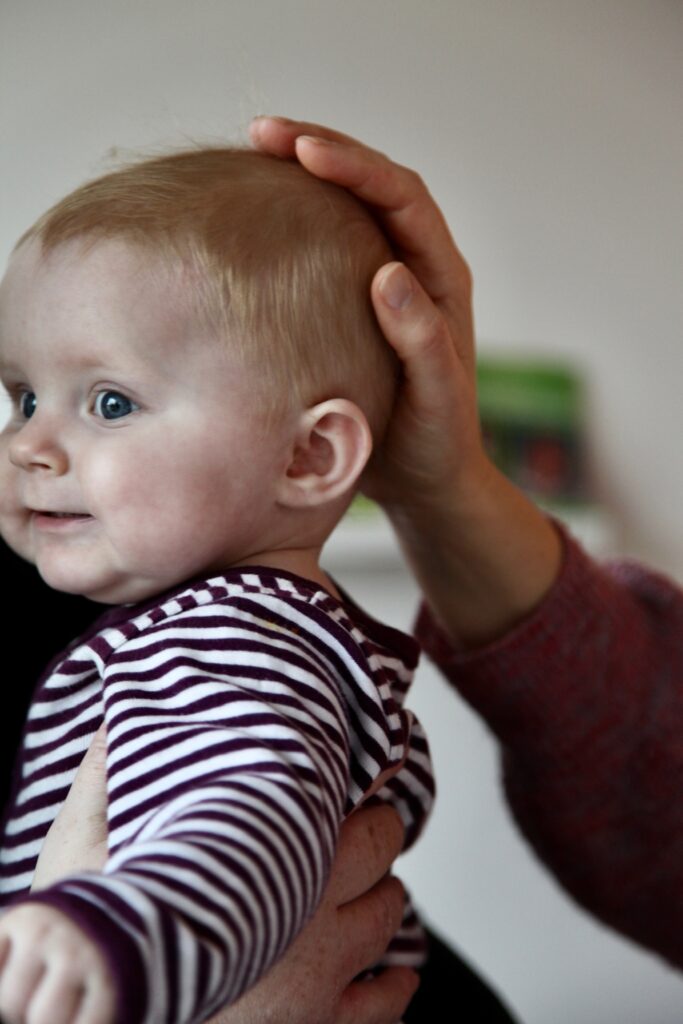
x: 275, y: 261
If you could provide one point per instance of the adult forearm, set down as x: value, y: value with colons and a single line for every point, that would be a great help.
x: 484, y: 556
x: 585, y: 699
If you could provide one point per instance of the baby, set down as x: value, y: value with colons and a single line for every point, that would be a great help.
x: 196, y: 380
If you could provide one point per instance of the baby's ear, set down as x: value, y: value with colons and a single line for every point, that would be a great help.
x: 331, y: 447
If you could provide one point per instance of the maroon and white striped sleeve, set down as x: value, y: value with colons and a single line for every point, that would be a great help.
x: 228, y: 763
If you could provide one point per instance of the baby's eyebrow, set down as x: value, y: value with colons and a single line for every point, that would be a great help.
x: 10, y: 369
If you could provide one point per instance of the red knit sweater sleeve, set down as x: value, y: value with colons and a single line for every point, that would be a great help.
x: 586, y: 699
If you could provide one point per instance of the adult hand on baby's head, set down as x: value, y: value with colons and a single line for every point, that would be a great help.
x: 433, y: 447
x: 483, y: 554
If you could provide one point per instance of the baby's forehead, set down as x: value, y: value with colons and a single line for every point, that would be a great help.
x: 103, y: 296
x: 90, y: 273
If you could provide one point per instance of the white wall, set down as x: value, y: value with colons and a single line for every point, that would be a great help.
x: 549, y: 131
x: 551, y: 134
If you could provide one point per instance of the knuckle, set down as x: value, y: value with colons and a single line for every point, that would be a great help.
x: 466, y: 277
x: 10, y: 1009
x: 395, y: 902
x: 386, y: 834
x: 388, y: 910
x: 413, y: 179
x: 433, y: 331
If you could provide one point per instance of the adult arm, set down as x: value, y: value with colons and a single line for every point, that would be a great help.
x: 586, y: 699
x: 577, y: 667
x: 483, y: 554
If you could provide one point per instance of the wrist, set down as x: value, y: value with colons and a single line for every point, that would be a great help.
x: 450, y: 511
x: 484, y: 555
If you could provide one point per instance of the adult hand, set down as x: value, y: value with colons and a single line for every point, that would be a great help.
x: 313, y: 983
x: 425, y: 312
x: 77, y: 840
x: 483, y: 554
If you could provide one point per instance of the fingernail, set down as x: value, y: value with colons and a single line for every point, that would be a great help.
x: 316, y: 140
x: 396, y: 287
x: 272, y: 117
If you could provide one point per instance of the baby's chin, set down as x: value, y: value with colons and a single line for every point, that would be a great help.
x: 110, y: 590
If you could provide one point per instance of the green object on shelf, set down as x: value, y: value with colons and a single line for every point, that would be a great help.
x: 532, y: 423
x: 363, y: 508
x: 532, y: 393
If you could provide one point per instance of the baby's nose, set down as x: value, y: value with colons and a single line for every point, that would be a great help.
x: 37, y: 447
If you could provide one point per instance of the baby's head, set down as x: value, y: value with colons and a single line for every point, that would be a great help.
x: 274, y: 261
x: 193, y: 359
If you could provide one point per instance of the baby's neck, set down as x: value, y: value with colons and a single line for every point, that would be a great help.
x: 300, y: 561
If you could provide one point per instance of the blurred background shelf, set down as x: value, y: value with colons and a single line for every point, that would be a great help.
x: 365, y: 542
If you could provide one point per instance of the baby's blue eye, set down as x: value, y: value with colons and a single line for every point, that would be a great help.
x: 27, y: 404
x: 112, y: 405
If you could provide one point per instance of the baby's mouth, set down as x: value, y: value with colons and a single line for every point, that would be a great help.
x: 43, y: 515
x: 61, y: 515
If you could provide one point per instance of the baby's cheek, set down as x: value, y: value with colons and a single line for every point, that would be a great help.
x: 14, y: 521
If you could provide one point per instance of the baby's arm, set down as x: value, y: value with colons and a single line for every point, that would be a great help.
x: 50, y: 971
x: 360, y: 911
x: 227, y: 783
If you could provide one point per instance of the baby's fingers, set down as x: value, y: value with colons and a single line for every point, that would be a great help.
x: 20, y: 976
x: 51, y: 972
x: 97, y: 1006
x: 56, y: 999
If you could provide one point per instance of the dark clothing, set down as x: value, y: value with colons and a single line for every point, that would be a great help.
x: 451, y: 991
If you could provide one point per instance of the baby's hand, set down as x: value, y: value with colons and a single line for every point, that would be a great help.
x: 50, y: 971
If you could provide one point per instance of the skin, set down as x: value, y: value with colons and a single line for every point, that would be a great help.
x: 130, y: 425
x: 128, y: 428
x: 483, y: 554
x: 359, y: 913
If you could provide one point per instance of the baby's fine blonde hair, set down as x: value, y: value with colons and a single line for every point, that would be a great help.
x: 277, y: 262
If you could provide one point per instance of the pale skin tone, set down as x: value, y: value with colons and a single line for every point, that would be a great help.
x: 360, y: 911
x: 483, y: 554
x: 128, y: 428
x: 130, y: 423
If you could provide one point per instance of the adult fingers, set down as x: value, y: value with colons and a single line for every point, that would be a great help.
x: 88, y: 794
x: 399, y: 197
x: 380, y: 1000
x: 366, y: 926
x: 369, y: 842
x: 420, y: 335
x: 278, y: 134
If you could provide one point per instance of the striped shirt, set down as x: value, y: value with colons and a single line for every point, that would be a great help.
x: 246, y: 715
